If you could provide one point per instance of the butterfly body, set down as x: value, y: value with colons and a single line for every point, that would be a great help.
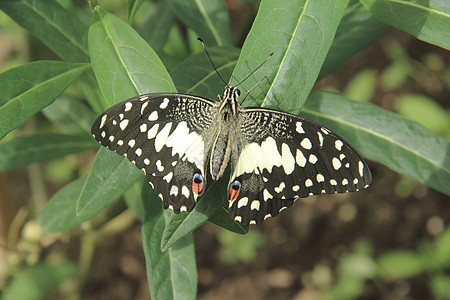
x: 275, y: 157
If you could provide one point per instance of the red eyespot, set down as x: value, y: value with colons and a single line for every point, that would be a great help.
x: 235, y: 188
x: 197, y: 184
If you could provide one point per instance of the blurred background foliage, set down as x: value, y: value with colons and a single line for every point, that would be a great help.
x: 394, y: 244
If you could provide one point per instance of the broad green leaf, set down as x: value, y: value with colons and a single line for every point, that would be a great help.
x: 110, y: 176
x: 207, y: 207
x: 34, y: 282
x: 156, y: 26
x: 123, y: 63
x: 403, y: 145
x: 358, y: 29
x: 171, y: 274
x: 196, y: 75
x: 27, y: 89
x: 133, y: 199
x: 124, y: 66
x: 427, y: 20
x: 59, y: 214
x: 299, y: 33
x: 25, y: 150
x: 61, y: 30
x: 208, y: 18
x: 70, y: 114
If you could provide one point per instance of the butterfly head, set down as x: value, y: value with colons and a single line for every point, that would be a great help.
x: 229, y: 103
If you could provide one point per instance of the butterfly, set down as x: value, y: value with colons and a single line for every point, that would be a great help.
x: 276, y: 157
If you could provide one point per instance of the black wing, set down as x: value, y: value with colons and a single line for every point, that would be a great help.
x: 286, y: 157
x: 162, y: 134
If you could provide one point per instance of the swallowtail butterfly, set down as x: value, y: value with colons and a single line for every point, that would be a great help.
x: 276, y: 157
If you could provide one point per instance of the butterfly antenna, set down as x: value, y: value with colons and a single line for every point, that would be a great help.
x: 209, y: 57
x: 270, y: 55
x: 248, y: 92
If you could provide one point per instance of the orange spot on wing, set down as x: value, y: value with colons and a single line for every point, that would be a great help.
x: 197, y: 188
x: 234, y: 194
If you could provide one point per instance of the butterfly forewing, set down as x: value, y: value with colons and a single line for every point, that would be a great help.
x: 285, y: 157
x: 162, y: 134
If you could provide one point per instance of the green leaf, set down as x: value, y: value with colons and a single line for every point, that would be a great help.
x: 133, y: 7
x: 196, y: 75
x: 171, y: 274
x: 427, y: 20
x: 124, y: 66
x: 123, y: 63
x: 34, y: 282
x: 59, y: 214
x: 208, y: 18
x: 61, y: 30
x: 25, y: 150
x: 357, y: 30
x: 157, y: 33
x: 299, y: 33
x: 222, y: 219
x: 403, y: 145
x: 29, y: 88
x: 401, y: 264
x: 70, y: 114
x: 425, y: 111
x: 111, y: 175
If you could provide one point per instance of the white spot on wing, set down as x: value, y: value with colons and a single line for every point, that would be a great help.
x: 102, y: 121
x: 185, y: 190
x: 267, y: 195
x: 144, y: 105
x: 143, y: 127
x: 336, y: 163
x: 242, y: 202
x: 267, y: 216
x: 333, y: 182
x: 300, y: 158
x: 159, y: 166
x: 360, y: 168
x: 287, y: 159
x: 308, y: 182
x: 355, y: 181
x: 161, y: 137
x: 123, y: 124
x: 344, y: 181
x: 153, y: 131
x: 138, y: 151
x: 174, y: 190
x: 342, y: 156
x: 164, y: 103
x: 320, y: 139
x: 306, y: 143
x: 320, y: 178
x: 255, y: 205
x: 153, y: 116
x: 120, y: 142
x: 295, y: 188
x: 146, y: 161
x: 280, y: 188
x: 238, y: 218
x: 131, y: 143
x: 128, y: 106
x: 299, y: 128
x: 312, y: 159
x: 168, y: 177
x: 111, y: 138
x: 338, y: 145
x: 183, y: 208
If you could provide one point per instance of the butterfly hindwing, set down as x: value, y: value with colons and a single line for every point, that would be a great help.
x: 162, y: 135
x: 285, y: 157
